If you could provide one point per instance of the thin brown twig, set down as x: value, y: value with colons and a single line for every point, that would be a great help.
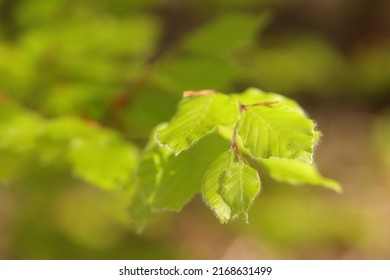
x: 234, y: 142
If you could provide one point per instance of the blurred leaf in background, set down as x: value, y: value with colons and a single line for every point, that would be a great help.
x: 296, y: 65
x: 206, y: 57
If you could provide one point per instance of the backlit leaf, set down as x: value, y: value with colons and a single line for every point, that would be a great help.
x: 104, y: 160
x: 277, y: 131
x: 167, y: 181
x: 229, y: 187
x: 212, y: 183
x: 140, y: 211
x: 297, y: 172
x: 240, y: 189
x: 197, y: 117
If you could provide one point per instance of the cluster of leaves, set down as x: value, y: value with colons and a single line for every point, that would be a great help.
x: 211, y: 145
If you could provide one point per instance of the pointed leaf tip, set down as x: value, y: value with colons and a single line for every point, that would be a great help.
x: 297, y: 172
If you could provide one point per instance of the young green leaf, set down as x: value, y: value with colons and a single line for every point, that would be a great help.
x: 297, y: 172
x: 212, y: 183
x: 149, y: 175
x: 240, y: 188
x: 182, y: 176
x: 197, y: 117
x: 167, y: 182
x: 140, y: 211
x: 277, y: 131
x: 105, y: 160
x: 229, y: 187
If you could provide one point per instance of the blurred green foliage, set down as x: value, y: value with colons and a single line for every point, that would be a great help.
x: 83, y: 84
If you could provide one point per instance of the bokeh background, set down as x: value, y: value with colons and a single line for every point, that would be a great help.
x: 122, y: 65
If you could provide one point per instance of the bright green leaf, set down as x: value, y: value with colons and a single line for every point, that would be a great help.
x: 197, y: 117
x: 104, y: 160
x: 182, y: 175
x: 212, y: 183
x: 277, y: 131
x: 240, y: 188
x: 167, y: 182
x: 140, y: 211
x: 229, y: 187
x: 297, y: 172
x: 149, y: 174
x: 150, y: 170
